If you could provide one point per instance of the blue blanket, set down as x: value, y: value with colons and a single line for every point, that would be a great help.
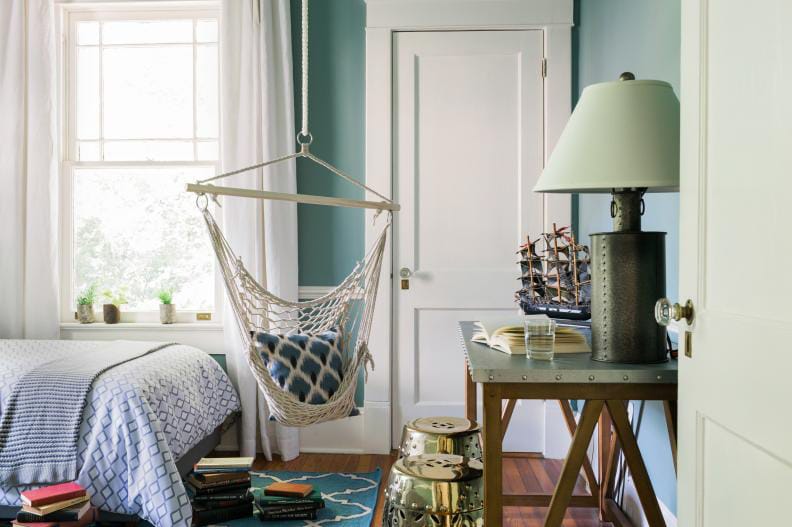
x: 40, y: 426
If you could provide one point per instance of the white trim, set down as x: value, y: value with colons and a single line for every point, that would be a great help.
x: 378, y: 175
x: 383, y: 19
x: 70, y: 13
x: 312, y: 292
x: 207, y: 337
x: 454, y: 14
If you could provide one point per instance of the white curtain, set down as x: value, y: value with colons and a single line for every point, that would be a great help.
x: 28, y: 171
x: 257, y: 124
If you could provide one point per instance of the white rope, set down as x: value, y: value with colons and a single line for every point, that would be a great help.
x: 304, y: 132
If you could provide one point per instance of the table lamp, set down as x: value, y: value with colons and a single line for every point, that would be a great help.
x: 623, y: 139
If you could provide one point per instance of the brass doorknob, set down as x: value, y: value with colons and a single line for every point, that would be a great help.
x: 665, y: 312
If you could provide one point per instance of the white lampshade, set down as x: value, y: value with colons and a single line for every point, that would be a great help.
x: 622, y: 134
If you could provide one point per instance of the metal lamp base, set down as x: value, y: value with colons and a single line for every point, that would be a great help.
x: 627, y: 278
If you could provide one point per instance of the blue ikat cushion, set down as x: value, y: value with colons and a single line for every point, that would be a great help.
x: 309, y: 366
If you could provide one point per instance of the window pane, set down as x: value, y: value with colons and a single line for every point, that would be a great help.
x: 89, y: 151
x: 137, y: 229
x: 148, y: 151
x: 206, y: 31
x: 148, y: 92
x: 147, y: 32
x: 207, y: 150
x: 206, y: 76
x: 88, y: 98
x: 88, y: 33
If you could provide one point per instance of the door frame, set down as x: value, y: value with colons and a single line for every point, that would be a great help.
x: 383, y: 19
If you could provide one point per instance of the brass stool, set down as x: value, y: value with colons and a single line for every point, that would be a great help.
x: 434, y: 490
x: 441, y: 435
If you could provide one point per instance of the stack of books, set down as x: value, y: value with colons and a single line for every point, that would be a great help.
x: 219, y: 489
x: 64, y: 505
x: 289, y: 501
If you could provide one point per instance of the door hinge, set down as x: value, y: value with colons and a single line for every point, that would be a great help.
x: 544, y: 67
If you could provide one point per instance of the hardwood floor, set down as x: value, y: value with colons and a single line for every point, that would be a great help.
x: 520, y: 475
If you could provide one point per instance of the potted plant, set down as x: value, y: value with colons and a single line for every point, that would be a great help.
x: 112, y: 308
x: 85, y: 302
x: 167, y: 307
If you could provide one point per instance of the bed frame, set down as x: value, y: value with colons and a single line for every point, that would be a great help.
x: 184, y: 465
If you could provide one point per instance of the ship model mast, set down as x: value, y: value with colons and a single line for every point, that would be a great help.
x: 557, y: 282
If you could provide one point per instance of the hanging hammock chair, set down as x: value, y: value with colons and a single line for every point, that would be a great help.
x: 306, y: 356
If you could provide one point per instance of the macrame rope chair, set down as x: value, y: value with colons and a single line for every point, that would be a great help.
x: 258, y: 310
x: 347, y: 309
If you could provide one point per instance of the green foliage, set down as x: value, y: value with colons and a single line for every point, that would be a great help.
x: 117, y: 299
x: 88, y: 296
x: 165, y: 296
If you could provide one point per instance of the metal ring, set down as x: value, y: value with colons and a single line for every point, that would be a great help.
x: 304, y: 139
x: 202, y: 206
x: 643, y: 207
x: 613, y: 208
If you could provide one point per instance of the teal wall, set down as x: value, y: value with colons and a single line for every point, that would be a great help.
x: 331, y: 238
x: 612, y: 36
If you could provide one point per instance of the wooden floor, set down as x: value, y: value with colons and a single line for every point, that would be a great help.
x: 520, y: 475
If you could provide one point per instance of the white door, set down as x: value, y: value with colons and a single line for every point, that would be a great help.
x: 735, y: 435
x: 468, y: 147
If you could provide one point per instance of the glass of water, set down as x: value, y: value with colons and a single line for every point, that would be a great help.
x: 540, y: 338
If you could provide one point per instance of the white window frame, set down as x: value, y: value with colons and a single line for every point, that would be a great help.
x: 70, y: 14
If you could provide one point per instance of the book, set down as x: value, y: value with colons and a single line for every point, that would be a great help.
x: 266, y: 515
x: 219, y: 498
x: 204, y: 485
x: 52, y: 494
x: 307, y: 515
x: 273, y: 501
x: 34, y: 524
x: 69, y: 514
x: 217, y: 464
x: 222, y: 477
x: 210, y: 516
x: 508, y: 336
x: 289, y: 490
x: 49, y: 508
x: 282, y: 509
x: 195, y: 492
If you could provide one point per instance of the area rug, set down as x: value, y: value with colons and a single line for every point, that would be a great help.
x: 350, y: 498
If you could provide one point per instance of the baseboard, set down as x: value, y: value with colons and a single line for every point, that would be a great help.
x: 368, y: 433
x: 632, y: 507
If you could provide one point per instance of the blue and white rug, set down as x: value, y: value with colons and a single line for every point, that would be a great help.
x: 350, y: 498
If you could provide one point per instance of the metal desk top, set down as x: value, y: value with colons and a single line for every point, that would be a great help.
x: 489, y: 365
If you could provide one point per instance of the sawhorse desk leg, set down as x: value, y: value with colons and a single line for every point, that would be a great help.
x: 493, y: 455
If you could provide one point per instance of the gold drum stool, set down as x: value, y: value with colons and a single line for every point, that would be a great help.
x: 441, y: 435
x: 434, y: 490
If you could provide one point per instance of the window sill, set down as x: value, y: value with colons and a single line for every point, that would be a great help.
x: 143, y: 326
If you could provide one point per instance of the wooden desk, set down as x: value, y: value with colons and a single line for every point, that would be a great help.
x: 606, y: 389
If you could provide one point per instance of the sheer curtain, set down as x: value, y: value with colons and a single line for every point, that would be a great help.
x: 257, y: 124
x: 28, y: 171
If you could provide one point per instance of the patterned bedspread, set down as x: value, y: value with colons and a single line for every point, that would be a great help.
x: 140, y: 418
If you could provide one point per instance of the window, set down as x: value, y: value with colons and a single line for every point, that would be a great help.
x: 141, y: 120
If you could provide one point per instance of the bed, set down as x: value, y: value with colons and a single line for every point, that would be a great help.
x: 144, y: 420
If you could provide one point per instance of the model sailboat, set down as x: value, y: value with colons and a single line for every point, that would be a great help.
x: 555, y: 277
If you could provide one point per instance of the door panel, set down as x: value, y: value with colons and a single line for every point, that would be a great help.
x: 467, y: 151
x: 735, y: 451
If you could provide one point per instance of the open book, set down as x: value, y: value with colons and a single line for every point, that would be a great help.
x: 508, y: 336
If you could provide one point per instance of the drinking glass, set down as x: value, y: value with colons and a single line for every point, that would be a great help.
x: 540, y: 338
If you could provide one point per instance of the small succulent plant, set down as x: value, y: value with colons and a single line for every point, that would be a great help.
x: 88, y: 296
x: 165, y: 296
